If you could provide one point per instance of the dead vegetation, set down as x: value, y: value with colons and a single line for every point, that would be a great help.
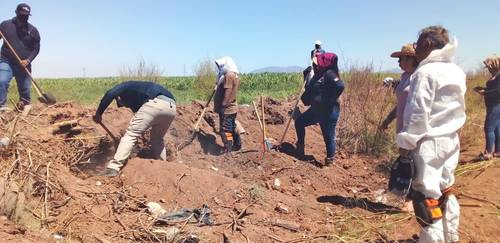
x: 273, y: 197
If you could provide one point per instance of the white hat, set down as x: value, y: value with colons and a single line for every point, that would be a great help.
x: 318, y: 42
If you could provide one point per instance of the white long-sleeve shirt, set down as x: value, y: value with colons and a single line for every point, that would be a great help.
x: 436, y: 104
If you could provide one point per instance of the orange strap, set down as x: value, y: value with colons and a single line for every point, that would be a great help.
x: 433, y: 208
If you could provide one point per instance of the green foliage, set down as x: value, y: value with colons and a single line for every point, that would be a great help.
x: 205, y: 77
x: 185, y: 89
x: 364, y: 103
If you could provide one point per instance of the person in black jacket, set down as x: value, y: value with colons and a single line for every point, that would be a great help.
x: 491, y: 95
x: 25, y: 40
x: 322, y: 94
x: 154, y: 108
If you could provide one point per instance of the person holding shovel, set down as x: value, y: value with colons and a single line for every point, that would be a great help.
x: 25, y: 40
x: 154, y: 108
x: 322, y: 94
x: 228, y: 83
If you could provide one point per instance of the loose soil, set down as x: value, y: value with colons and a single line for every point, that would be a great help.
x: 254, y: 196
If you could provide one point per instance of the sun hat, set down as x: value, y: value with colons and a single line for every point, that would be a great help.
x: 493, y: 63
x: 406, y: 50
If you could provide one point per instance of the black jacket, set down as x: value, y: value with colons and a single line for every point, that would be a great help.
x: 492, y: 92
x: 323, y: 90
x: 133, y: 94
x: 25, y: 40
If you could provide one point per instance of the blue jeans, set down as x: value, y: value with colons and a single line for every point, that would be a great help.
x: 9, y: 70
x: 327, y: 121
x: 492, y: 128
x: 230, y: 137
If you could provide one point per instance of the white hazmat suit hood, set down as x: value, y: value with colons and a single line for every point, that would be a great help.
x: 436, y: 104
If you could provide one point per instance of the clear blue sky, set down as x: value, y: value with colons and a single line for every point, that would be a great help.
x: 102, y: 36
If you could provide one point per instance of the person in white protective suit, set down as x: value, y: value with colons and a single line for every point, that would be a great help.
x: 434, y: 112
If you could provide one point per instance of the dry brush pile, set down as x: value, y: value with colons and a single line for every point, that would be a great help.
x: 42, y: 187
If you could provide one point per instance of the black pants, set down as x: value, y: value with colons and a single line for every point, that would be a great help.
x: 230, y: 137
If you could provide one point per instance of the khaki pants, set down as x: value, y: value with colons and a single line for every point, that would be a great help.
x: 157, y: 114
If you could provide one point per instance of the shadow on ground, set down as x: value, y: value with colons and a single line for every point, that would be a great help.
x: 362, y: 203
x: 289, y: 149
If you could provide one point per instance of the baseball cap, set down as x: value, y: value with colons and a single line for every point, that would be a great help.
x: 23, y: 9
x: 318, y: 42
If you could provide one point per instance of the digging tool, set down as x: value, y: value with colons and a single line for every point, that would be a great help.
x: 197, y: 124
x: 257, y: 112
x: 115, y: 139
x: 45, y: 98
x: 267, y: 144
x: 292, y: 114
x: 260, y: 124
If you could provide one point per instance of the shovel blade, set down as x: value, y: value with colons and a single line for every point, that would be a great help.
x: 47, y: 98
x: 268, y: 144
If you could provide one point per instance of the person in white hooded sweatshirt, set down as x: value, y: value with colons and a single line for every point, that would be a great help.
x: 434, y: 112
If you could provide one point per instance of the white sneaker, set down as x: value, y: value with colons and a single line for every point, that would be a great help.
x: 4, y: 109
x: 26, y: 110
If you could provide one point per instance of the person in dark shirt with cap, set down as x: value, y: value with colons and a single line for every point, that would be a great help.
x: 154, y: 108
x: 25, y: 40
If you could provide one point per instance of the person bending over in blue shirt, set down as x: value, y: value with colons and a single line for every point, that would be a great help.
x: 154, y: 108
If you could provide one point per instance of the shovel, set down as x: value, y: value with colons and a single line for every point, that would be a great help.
x: 115, y: 139
x: 292, y: 114
x: 260, y: 124
x: 197, y: 124
x: 267, y: 144
x: 45, y: 98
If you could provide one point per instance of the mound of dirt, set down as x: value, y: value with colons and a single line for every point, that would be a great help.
x: 253, y: 196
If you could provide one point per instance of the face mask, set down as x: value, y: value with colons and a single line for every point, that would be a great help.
x: 23, y: 18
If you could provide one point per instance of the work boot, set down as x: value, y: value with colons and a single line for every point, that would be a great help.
x: 329, y: 161
x: 108, y: 172
x: 237, y: 142
x: 21, y: 104
x: 299, y: 150
x: 228, y: 147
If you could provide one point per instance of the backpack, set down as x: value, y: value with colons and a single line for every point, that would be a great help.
x: 312, y: 93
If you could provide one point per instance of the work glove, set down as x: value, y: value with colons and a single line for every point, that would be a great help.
x: 388, y: 81
x: 97, y: 118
